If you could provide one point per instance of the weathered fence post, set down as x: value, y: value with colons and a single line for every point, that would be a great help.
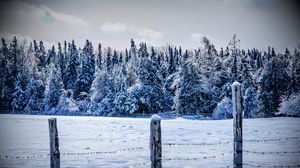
x: 54, y: 146
x: 155, y: 142
x: 237, y: 124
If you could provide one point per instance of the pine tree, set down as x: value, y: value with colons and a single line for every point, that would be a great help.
x: 148, y: 91
x: 99, y: 58
x: 250, y: 103
x: 61, y: 64
x: 109, y: 64
x: 143, y: 53
x: 71, y: 70
x: 53, y: 88
x: 35, y: 92
x: 19, y: 96
x: 191, y: 92
x: 11, y: 65
x: 272, y: 83
x: 121, y: 105
x: 234, y: 46
x: 115, y: 58
x: 172, y: 67
x: 51, y: 58
x: 4, y: 74
x: 245, y: 76
x: 86, y: 77
x: 126, y: 55
x: 102, y: 94
x: 40, y: 55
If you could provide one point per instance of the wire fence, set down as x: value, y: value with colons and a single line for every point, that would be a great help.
x: 168, y: 159
x: 170, y: 145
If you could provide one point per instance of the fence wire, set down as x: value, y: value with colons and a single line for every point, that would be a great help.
x: 74, y: 153
x: 229, y: 142
x: 269, y: 166
x: 166, y: 159
x: 199, y: 158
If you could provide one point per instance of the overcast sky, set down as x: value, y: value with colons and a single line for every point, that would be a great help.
x: 257, y: 23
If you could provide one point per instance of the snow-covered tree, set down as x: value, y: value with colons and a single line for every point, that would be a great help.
x: 35, y: 92
x: 99, y: 60
x: 109, y: 64
x: 148, y: 91
x: 66, y: 105
x: 250, y: 103
x: 102, y: 94
x: 71, y: 70
x: 272, y: 82
x: 86, y: 76
x: 121, y: 105
x: 53, y: 88
x: 61, y: 62
x: 19, y: 96
x: 234, y: 58
x: 191, y: 93
x: 51, y: 56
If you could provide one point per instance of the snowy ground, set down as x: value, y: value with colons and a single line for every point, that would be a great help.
x: 123, y: 142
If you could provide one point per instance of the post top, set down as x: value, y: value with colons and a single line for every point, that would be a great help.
x: 51, y: 119
x: 155, y: 117
x: 236, y: 83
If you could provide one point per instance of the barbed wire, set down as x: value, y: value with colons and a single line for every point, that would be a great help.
x: 199, y: 158
x: 285, y: 152
x: 252, y: 165
x: 196, y: 144
x: 138, y: 165
x: 229, y: 142
x: 26, y: 119
x: 271, y: 140
x: 24, y: 157
x: 73, y: 153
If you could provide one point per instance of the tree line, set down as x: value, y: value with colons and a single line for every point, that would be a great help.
x: 69, y: 80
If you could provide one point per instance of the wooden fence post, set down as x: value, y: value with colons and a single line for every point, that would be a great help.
x: 155, y: 142
x: 54, y: 145
x: 237, y: 124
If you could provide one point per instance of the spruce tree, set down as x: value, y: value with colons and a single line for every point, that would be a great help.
x: 250, y: 103
x: 86, y: 76
x: 53, y: 88
x: 191, y: 92
x: 272, y: 83
x: 71, y: 70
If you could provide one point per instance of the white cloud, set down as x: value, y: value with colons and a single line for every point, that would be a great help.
x: 42, y: 13
x: 50, y: 15
x: 140, y: 33
x: 109, y: 27
x: 149, y: 34
x: 196, y: 37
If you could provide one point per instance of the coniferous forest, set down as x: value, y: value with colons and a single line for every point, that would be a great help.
x: 94, y: 80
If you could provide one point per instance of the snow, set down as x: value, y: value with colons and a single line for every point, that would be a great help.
x: 236, y: 84
x: 27, y: 135
x: 155, y: 117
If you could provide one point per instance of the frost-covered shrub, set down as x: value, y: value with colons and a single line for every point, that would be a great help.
x: 223, y: 109
x: 291, y: 106
x: 66, y: 105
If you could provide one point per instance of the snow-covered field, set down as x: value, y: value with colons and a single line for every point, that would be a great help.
x: 123, y: 142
